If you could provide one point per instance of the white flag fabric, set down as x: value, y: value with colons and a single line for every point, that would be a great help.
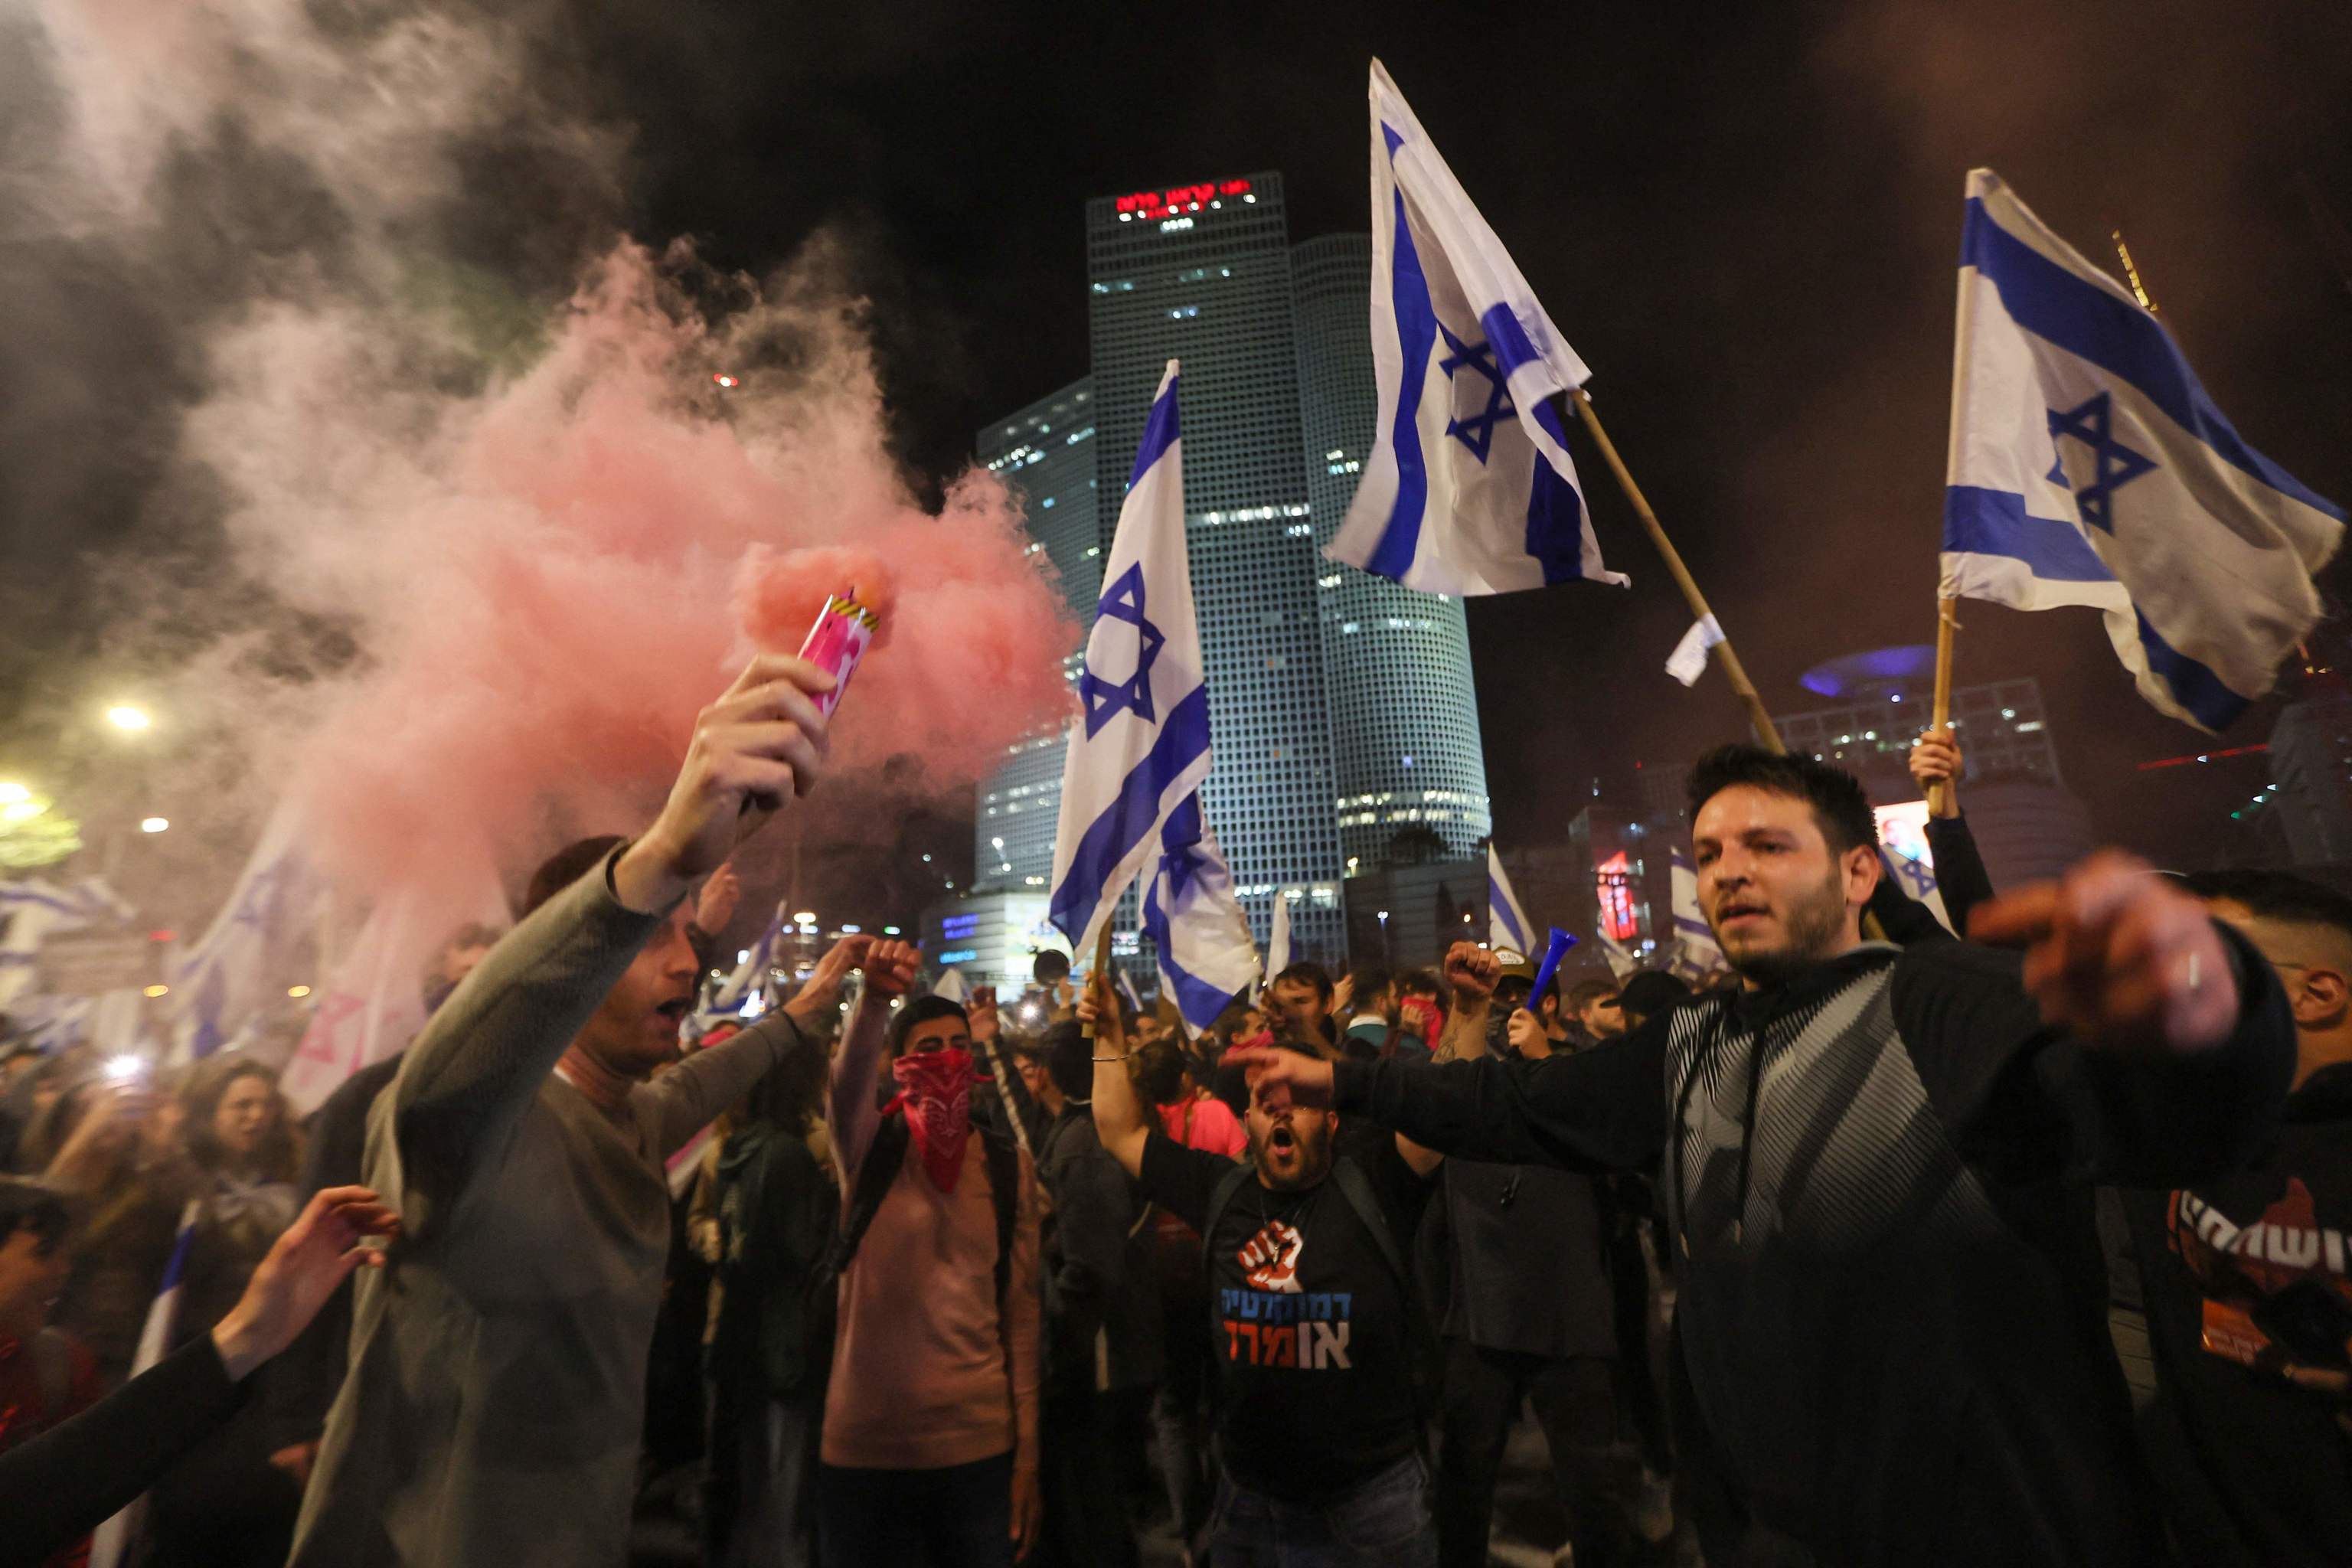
x: 951, y: 986
x: 234, y: 971
x: 112, y: 1540
x: 1508, y: 926
x: 1206, y: 954
x: 1141, y: 747
x: 371, y: 1006
x: 2088, y: 466
x: 33, y: 910
x: 753, y: 972
x: 1469, y: 488
x: 373, y: 1001
x: 1277, y: 937
x: 1697, y: 957
x: 1688, y: 661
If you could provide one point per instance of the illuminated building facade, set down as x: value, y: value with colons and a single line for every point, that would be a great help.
x: 1202, y: 273
x: 1046, y: 453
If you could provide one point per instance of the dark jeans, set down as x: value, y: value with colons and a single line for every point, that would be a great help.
x: 761, y: 1514
x: 1180, y: 1414
x: 1088, y: 1521
x: 1574, y: 1402
x: 960, y: 1516
x: 1384, y: 1523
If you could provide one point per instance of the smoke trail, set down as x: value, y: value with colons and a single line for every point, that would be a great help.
x: 454, y: 525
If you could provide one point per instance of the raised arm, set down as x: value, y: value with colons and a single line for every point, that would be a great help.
x: 852, y: 1113
x: 2149, y: 1044
x: 1471, y: 972
x: 483, y: 1056
x: 689, y: 1097
x: 1603, y: 1109
x: 1122, y: 1122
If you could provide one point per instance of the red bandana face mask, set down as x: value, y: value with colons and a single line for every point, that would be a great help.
x: 935, y: 1092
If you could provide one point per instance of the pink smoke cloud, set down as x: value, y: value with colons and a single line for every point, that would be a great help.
x: 582, y: 558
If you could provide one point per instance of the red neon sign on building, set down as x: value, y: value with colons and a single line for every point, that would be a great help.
x: 1177, y: 199
x: 1613, y: 883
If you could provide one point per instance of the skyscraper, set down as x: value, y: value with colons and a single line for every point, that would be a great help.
x: 1326, y: 686
x: 1405, y: 747
x: 1200, y: 273
x: 1046, y: 451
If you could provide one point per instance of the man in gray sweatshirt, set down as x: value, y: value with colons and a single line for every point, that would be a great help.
x: 498, y: 1365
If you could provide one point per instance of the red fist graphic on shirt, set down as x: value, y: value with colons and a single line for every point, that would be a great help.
x: 1271, y: 1257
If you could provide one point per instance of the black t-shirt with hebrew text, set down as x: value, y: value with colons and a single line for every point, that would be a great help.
x: 1307, y: 1325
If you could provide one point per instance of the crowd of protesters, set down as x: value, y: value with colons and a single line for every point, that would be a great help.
x: 1886, y: 1247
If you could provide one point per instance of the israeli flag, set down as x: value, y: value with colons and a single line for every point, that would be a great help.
x: 33, y: 910
x: 753, y: 972
x: 1141, y: 747
x: 1469, y: 488
x: 223, y: 982
x: 2088, y: 466
x: 1507, y: 925
x: 1195, y: 923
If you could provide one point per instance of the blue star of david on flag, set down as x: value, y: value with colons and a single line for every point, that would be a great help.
x: 2112, y: 463
x: 1106, y: 700
x: 1477, y: 432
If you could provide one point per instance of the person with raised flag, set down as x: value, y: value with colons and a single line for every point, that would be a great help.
x: 1469, y: 489
x: 495, y: 1400
x: 1327, y: 1362
x: 1876, y: 1165
x: 1140, y: 748
x: 1508, y: 929
x: 2089, y: 467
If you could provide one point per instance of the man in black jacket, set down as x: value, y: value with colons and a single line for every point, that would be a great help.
x: 1875, y: 1169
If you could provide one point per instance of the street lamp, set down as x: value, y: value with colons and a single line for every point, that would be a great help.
x: 154, y: 825
x: 124, y: 716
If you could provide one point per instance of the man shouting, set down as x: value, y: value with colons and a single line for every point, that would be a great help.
x: 498, y: 1365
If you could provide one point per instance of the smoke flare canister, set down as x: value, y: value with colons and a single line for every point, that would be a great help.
x: 844, y: 629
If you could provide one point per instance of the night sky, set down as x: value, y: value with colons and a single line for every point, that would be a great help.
x: 1746, y: 219
x: 1746, y: 222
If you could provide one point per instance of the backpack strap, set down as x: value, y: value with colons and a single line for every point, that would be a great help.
x: 884, y: 1155
x: 1425, y: 1358
x: 1005, y: 1192
x: 1349, y: 1177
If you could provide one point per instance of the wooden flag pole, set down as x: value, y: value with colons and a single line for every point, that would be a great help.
x: 1946, y: 622
x: 1758, y: 719
x: 1101, y: 972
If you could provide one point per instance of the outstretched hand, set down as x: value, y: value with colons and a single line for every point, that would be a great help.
x: 758, y: 746
x: 2120, y: 956
x: 1275, y: 1073
x: 316, y: 1253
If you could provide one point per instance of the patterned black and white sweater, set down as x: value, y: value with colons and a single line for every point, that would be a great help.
x: 1877, y: 1182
